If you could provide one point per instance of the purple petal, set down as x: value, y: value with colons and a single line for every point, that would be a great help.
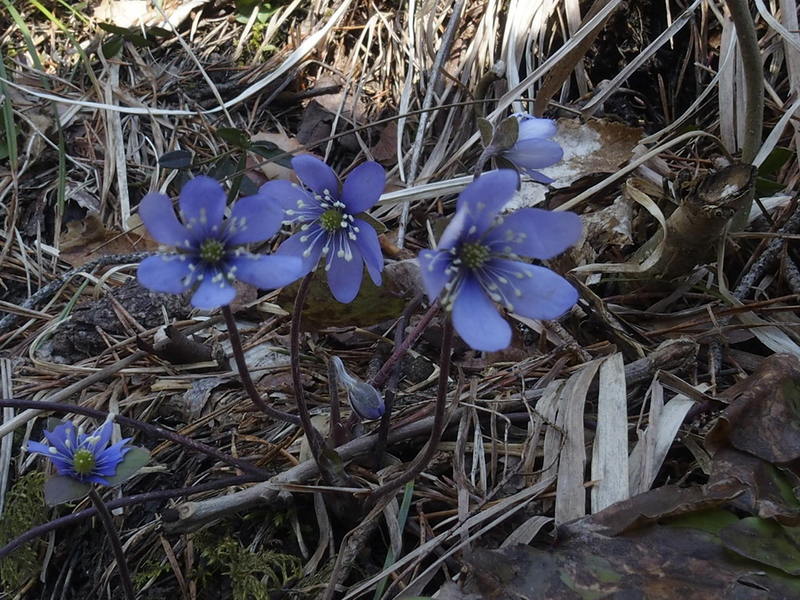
x: 476, y: 319
x: 536, y: 175
x: 159, y: 219
x: 63, y: 466
x: 363, y: 187
x: 316, y: 175
x: 533, y: 127
x: 432, y: 267
x: 59, y: 436
x: 366, y: 400
x: 455, y: 230
x: 534, y: 153
x: 344, y: 276
x: 370, y: 248
x: 307, y: 251
x: 254, y: 219
x: 104, y: 433
x: 94, y: 479
x: 483, y: 198
x: 532, y: 291
x: 267, y: 272
x: 286, y: 193
x: 374, y: 274
x: 202, y: 202
x: 39, y: 448
x: 214, y: 291
x: 536, y: 233
x: 166, y: 273
x: 108, y: 460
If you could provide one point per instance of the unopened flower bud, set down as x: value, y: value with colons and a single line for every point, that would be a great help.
x: 365, y: 400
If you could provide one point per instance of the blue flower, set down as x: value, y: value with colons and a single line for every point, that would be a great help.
x: 329, y: 222
x: 209, y: 248
x: 534, y: 149
x: 476, y: 264
x: 82, y: 457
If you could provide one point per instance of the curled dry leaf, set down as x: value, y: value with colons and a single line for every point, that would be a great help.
x: 666, y: 501
x: 769, y: 491
x: 272, y: 170
x: 763, y: 418
x: 174, y: 346
x: 89, y: 238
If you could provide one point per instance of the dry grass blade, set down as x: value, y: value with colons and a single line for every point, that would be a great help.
x: 654, y: 442
x: 730, y: 79
x: 525, y: 533
x: 610, y: 447
x: 570, y: 489
x: 561, y: 72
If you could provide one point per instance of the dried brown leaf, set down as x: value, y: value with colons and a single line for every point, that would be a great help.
x: 763, y: 418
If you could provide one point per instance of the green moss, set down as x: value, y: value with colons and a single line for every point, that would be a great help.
x: 253, y: 574
x: 318, y: 580
x: 152, y: 568
x: 24, y: 509
x: 252, y: 48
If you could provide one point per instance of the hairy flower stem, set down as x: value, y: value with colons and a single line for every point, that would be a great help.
x: 147, y: 428
x: 437, y: 429
x: 312, y: 435
x: 41, y: 530
x: 244, y: 374
x: 336, y: 433
x: 487, y: 153
x: 116, y: 544
x: 391, y: 387
x: 383, y: 374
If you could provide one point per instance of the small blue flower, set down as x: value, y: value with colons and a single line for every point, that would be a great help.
x: 209, y: 253
x: 329, y: 222
x: 476, y: 264
x: 82, y: 457
x: 534, y: 149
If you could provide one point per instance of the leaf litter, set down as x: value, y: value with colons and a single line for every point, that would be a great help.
x: 615, y: 477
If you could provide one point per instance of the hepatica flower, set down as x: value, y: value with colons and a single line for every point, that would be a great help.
x: 209, y: 249
x: 330, y: 228
x: 80, y: 456
x: 476, y: 265
x: 534, y: 149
